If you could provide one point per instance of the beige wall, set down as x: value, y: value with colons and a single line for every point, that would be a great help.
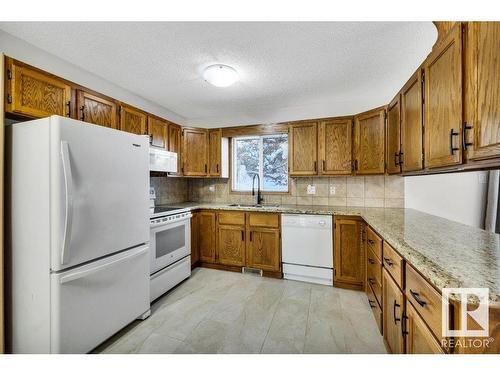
x: 369, y: 191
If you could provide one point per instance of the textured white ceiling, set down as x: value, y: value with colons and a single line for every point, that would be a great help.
x: 288, y: 70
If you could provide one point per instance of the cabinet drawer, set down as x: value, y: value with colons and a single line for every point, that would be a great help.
x: 232, y: 218
x: 393, y: 263
x: 263, y: 220
x: 374, y: 242
x: 425, y: 299
x: 377, y: 311
x: 374, y: 279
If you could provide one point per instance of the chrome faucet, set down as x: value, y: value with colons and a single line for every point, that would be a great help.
x: 259, y: 195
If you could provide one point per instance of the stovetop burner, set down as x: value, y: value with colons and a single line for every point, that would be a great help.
x: 160, y: 211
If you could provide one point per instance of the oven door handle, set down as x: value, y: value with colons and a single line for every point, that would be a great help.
x: 185, y: 218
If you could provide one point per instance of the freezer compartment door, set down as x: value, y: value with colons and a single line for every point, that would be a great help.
x: 92, y: 302
x: 99, y: 191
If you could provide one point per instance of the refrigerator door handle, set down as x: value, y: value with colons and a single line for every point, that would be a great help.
x: 68, y: 186
x: 80, y: 274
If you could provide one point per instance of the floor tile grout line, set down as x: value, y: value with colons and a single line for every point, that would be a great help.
x: 272, y: 319
x: 307, y: 320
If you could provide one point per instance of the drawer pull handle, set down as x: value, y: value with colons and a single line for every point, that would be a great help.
x: 388, y: 261
x: 404, y: 332
x: 371, y: 261
x: 415, y: 295
x: 396, y: 320
x: 371, y: 280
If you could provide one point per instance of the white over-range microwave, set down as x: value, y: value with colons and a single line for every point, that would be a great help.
x: 162, y: 161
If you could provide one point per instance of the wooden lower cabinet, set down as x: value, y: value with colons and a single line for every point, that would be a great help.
x: 206, y: 236
x: 263, y: 249
x: 195, y: 230
x: 419, y: 338
x: 231, y: 245
x: 393, y: 307
x: 349, y: 253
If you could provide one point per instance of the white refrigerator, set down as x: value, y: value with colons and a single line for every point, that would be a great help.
x: 78, y: 232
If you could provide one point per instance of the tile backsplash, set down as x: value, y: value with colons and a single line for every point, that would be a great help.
x: 362, y: 191
x: 170, y: 189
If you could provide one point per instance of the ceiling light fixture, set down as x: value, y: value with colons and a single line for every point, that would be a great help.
x: 220, y: 75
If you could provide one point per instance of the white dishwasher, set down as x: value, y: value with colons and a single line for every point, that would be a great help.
x: 307, y: 248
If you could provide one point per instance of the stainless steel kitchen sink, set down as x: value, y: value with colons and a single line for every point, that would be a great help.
x: 254, y: 205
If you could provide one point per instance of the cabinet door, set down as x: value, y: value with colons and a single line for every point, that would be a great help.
x: 443, y: 102
x: 369, y: 142
x: 158, y: 132
x: 206, y: 237
x: 349, y: 252
x: 231, y: 245
x: 195, y: 232
x: 214, y: 154
x: 393, y: 146
x: 174, y: 143
x: 34, y: 93
x: 393, y: 305
x: 419, y: 339
x: 303, y: 149
x: 411, y: 124
x: 335, y: 147
x: 483, y: 90
x: 96, y: 110
x: 263, y: 248
x: 195, y: 152
x: 132, y: 120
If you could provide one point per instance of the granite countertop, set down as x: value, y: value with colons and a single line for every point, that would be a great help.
x: 447, y: 253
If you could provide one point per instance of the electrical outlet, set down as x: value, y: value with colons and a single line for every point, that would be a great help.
x: 211, y: 188
x: 333, y: 190
x: 311, y: 189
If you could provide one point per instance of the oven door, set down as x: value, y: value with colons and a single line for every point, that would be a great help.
x: 169, y: 242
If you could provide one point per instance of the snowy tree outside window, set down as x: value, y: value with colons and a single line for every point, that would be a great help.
x: 266, y: 156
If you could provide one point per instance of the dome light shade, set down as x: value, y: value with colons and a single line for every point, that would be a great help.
x: 220, y: 75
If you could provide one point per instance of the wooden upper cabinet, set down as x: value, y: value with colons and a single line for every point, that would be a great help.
x: 443, y: 102
x: 96, y: 109
x: 393, y: 307
x: 303, y: 146
x: 369, y: 142
x: 132, y: 120
x: 393, y: 133
x: 335, y: 147
x: 206, y: 237
x: 419, y: 338
x: 195, y: 152
x: 158, y: 132
x: 412, y: 124
x: 349, y: 254
x: 214, y: 152
x: 31, y: 92
x: 482, y: 87
x: 231, y: 245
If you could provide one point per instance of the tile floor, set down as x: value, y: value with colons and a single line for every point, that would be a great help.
x: 226, y: 312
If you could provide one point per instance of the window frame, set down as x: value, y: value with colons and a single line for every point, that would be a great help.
x: 261, y: 163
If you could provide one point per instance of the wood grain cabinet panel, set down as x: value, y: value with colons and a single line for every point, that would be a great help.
x: 263, y: 249
x: 369, y: 142
x: 412, y: 124
x: 194, y: 152
x: 303, y: 146
x: 393, y: 307
x: 174, y: 143
x: 231, y: 245
x: 483, y: 90
x: 419, y: 338
x: 393, y: 132
x: 349, y: 259
x: 195, y: 231
x: 158, y: 132
x: 443, y: 102
x: 214, y: 153
x: 335, y: 147
x: 376, y: 309
x: 133, y: 120
x: 207, y: 236
x: 31, y: 92
x: 96, y: 109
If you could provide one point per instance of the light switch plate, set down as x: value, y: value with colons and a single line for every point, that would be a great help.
x: 333, y: 190
x: 211, y: 188
x: 311, y: 189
